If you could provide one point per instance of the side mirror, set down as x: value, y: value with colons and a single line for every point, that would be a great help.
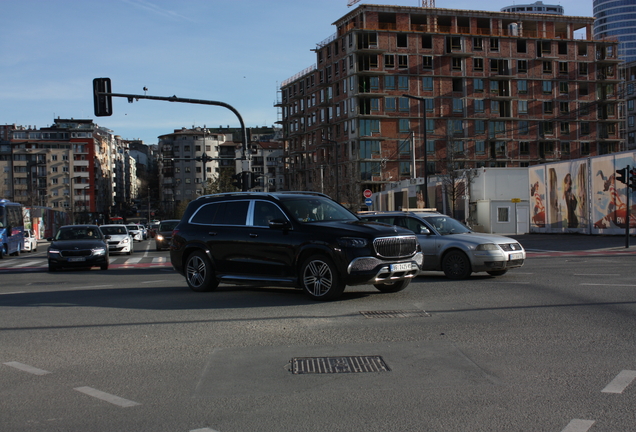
x: 107, y: 237
x: 424, y: 230
x: 49, y: 239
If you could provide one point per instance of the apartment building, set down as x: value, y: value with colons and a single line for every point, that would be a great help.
x: 402, y: 92
x: 184, y: 175
x: 69, y: 166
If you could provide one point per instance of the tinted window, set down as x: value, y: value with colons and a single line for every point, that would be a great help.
x: 168, y: 226
x: 232, y: 213
x: 205, y: 214
x: 264, y: 212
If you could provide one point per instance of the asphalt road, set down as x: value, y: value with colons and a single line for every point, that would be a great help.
x: 548, y: 347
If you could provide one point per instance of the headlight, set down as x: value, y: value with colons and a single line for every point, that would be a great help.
x: 53, y: 251
x: 487, y: 247
x: 352, y: 242
x: 159, y: 237
x: 99, y: 251
x: 126, y: 240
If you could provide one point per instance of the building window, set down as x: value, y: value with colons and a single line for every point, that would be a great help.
x: 478, y: 64
x: 503, y: 214
x: 389, y: 82
x: 582, y: 68
x: 523, y: 127
x: 369, y: 148
x: 479, y: 105
x: 478, y: 44
x: 480, y: 126
x: 565, y: 128
x: 524, y: 147
x: 404, y: 125
x: 563, y: 87
x: 564, y: 107
x: 563, y: 67
x: 585, y: 128
x: 402, y: 40
x: 427, y: 83
x: 480, y: 147
x: 389, y: 104
x: 478, y: 85
x: 522, y: 66
x: 456, y: 63
x: 547, y: 67
x: 547, y: 87
x: 404, y: 104
x: 494, y: 44
x: 427, y: 62
x: 389, y: 61
x: 522, y: 86
x: 565, y: 148
x: 547, y: 107
x: 585, y: 148
x: 523, y: 106
x: 403, y: 61
x: 403, y: 82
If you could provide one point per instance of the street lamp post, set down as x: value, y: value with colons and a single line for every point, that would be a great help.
x: 423, y: 101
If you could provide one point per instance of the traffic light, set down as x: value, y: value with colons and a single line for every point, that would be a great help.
x: 238, y: 181
x: 248, y: 180
x: 621, y: 175
x: 103, y: 103
x: 632, y: 179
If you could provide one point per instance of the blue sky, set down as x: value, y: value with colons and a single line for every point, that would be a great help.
x: 237, y: 52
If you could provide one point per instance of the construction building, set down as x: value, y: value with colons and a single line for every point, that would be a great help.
x: 403, y: 92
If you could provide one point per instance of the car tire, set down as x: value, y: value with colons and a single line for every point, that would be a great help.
x: 104, y: 266
x: 199, y: 273
x: 393, y: 287
x: 456, y: 265
x: 497, y: 272
x: 130, y: 251
x: 52, y: 268
x: 319, y: 278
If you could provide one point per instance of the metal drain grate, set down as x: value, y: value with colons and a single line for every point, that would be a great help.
x: 395, y: 314
x: 331, y: 365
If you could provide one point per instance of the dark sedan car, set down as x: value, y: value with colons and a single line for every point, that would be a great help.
x: 78, y: 246
x: 164, y: 233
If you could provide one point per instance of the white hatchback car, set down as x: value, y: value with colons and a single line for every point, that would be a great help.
x: 120, y: 240
x: 451, y: 247
x: 30, y: 242
x: 135, y: 232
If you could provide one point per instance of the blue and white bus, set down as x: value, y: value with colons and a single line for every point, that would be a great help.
x: 11, y: 228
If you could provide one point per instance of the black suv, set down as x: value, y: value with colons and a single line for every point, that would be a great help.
x: 296, y: 239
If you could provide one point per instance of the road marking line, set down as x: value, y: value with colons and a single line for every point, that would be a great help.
x: 132, y: 260
x: 14, y: 292
x: 596, y: 274
x: 155, y: 281
x: 26, y: 264
x: 204, y: 430
x: 602, y: 284
x: 115, y: 400
x: 159, y: 260
x: 27, y: 368
x: 578, y: 425
x: 96, y: 286
x: 621, y: 382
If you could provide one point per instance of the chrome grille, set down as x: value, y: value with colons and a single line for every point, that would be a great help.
x: 509, y: 247
x: 395, y: 247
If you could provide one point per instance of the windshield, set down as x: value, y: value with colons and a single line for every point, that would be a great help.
x: 318, y: 210
x: 132, y: 227
x: 168, y: 226
x: 83, y: 233
x: 447, y: 225
x: 113, y: 230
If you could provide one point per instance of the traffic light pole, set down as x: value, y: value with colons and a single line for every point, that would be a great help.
x: 102, y: 97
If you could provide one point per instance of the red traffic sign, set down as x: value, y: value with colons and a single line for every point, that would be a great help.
x: 367, y: 193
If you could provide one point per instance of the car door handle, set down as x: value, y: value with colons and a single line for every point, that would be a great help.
x: 253, y: 235
x: 212, y: 233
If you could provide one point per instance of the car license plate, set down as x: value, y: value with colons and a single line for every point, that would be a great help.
x: 401, y: 267
x: 516, y: 256
x: 76, y: 259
